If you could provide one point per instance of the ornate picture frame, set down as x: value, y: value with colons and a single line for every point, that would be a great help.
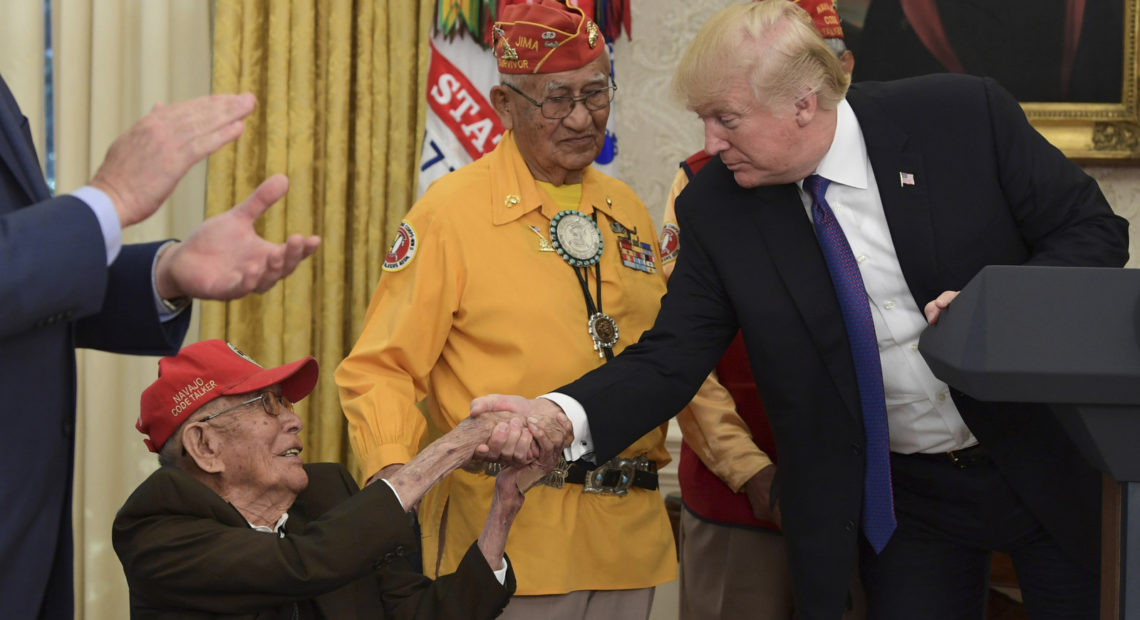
x: 1086, y: 132
x: 1098, y: 131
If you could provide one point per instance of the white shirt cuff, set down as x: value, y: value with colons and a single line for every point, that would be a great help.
x: 108, y: 218
x: 501, y: 574
x: 164, y: 314
x: 583, y: 443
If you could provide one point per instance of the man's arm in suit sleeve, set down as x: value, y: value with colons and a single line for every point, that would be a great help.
x: 653, y: 379
x: 55, y: 265
x: 128, y: 321
x: 1060, y: 210
x: 178, y: 553
x: 710, y: 424
x: 56, y: 271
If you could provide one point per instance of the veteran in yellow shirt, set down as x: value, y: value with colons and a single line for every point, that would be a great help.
x: 515, y: 274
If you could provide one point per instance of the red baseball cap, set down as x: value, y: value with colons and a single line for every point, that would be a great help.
x: 545, y: 37
x: 203, y: 371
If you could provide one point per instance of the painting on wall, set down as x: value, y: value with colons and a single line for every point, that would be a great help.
x: 1072, y: 64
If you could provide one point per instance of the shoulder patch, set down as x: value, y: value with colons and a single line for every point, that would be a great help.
x: 403, y: 248
x: 670, y: 242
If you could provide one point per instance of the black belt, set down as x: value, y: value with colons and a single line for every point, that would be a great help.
x: 614, y: 477
x: 963, y: 458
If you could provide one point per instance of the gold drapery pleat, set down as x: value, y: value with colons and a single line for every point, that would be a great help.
x: 339, y: 86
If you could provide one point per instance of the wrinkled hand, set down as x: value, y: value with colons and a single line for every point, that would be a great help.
x: 541, y: 415
x: 934, y: 309
x: 224, y: 258
x: 546, y: 460
x: 759, y: 492
x: 510, y: 442
x: 143, y: 165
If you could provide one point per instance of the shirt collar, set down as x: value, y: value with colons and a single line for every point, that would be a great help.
x: 846, y: 161
x: 514, y: 192
x: 276, y: 529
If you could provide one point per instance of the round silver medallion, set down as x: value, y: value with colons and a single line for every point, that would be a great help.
x: 604, y: 330
x: 576, y: 238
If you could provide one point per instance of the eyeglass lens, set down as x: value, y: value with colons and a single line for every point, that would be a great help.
x: 270, y: 400
x: 561, y: 107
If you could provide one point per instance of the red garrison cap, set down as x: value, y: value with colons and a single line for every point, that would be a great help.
x: 823, y: 17
x: 545, y: 37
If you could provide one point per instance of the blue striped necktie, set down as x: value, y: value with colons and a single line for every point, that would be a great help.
x: 878, y: 505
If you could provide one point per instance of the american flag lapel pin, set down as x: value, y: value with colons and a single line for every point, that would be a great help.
x: 906, y: 178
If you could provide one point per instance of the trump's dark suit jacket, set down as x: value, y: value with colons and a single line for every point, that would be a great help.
x: 188, y: 553
x: 988, y: 190
x: 58, y: 294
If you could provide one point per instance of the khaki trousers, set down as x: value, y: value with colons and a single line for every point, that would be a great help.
x: 738, y: 572
x: 582, y: 605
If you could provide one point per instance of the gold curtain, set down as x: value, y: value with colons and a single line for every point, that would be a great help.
x: 340, y: 91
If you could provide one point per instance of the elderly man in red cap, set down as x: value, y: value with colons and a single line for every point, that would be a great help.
x: 733, y: 558
x: 519, y: 272
x: 234, y: 524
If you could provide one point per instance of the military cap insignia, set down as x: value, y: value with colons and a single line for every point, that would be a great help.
x: 592, y: 34
x: 242, y: 355
x: 506, y: 52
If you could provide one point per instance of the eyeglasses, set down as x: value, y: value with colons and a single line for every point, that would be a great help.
x: 270, y: 402
x: 558, y: 108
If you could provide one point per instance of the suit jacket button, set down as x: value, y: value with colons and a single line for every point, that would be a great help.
x: 856, y: 449
x: 400, y: 551
x: 849, y: 526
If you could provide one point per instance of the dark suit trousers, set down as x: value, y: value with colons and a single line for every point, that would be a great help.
x: 936, y: 565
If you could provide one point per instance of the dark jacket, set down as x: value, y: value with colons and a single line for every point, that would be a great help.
x: 988, y: 190
x: 58, y: 294
x: 187, y: 553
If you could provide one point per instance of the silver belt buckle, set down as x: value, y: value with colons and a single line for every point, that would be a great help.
x: 613, y: 477
x: 556, y: 479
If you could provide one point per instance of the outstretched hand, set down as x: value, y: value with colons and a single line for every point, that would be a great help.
x: 143, y: 165
x: 224, y: 258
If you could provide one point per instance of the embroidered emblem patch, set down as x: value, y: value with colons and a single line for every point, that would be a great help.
x: 403, y: 248
x: 670, y: 242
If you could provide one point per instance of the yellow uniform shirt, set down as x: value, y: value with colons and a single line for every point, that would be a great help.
x: 477, y: 303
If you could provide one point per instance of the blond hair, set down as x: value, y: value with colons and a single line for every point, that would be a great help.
x: 771, y: 46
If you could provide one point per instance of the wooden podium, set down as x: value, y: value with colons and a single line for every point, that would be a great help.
x: 1068, y: 337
